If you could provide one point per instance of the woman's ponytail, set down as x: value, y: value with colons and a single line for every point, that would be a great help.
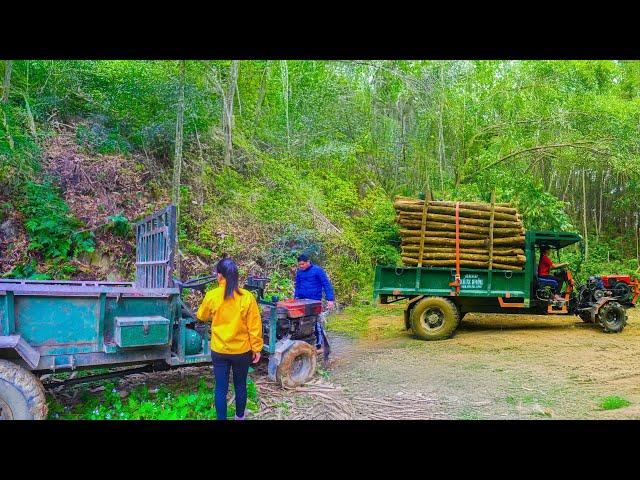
x: 229, y: 270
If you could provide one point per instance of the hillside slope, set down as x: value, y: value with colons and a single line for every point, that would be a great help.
x: 263, y: 220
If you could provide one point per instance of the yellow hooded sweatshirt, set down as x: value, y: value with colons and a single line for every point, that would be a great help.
x: 236, y: 326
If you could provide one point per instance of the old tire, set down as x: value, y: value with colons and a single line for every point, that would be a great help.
x: 612, y: 317
x: 298, y: 365
x: 21, y: 394
x: 434, y: 318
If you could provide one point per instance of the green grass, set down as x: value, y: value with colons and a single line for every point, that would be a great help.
x: 168, y: 403
x: 614, y: 402
x: 354, y: 321
x: 284, y: 407
x: 468, y: 414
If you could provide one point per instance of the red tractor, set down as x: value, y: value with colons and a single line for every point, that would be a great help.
x: 604, y: 299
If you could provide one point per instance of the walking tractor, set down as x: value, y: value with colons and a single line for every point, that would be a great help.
x: 60, y: 326
x: 438, y: 298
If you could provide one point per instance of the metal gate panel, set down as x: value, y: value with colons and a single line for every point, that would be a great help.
x: 155, y: 249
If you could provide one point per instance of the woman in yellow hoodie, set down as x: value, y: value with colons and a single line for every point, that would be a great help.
x: 236, y: 335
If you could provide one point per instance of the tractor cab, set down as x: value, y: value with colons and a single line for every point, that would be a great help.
x: 543, y: 288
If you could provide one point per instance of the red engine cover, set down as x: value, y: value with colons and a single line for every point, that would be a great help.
x: 297, y: 308
x: 618, y: 278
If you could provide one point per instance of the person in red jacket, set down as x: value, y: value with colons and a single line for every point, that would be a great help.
x: 545, y: 265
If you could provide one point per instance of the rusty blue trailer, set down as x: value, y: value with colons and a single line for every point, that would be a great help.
x: 56, y: 326
x: 59, y: 325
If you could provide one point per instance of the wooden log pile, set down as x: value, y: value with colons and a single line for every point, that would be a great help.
x: 491, y: 235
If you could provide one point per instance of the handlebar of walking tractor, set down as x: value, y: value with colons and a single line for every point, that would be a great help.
x: 256, y: 284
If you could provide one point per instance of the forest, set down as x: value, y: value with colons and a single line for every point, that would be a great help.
x: 270, y: 158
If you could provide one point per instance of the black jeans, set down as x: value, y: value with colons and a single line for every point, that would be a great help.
x: 239, y: 364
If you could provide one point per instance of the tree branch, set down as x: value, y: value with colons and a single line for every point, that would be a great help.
x: 583, y: 144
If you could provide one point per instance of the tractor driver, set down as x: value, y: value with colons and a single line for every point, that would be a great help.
x: 544, y: 270
x: 311, y: 281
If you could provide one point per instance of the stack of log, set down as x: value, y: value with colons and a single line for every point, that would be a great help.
x: 491, y: 234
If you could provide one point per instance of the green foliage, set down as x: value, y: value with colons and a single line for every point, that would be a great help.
x: 97, y: 138
x: 293, y: 241
x: 605, y: 257
x: 280, y: 284
x: 198, y: 250
x: 141, y: 404
x: 28, y: 270
x: 18, y: 149
x: 119, y: 225
x: 614, y: 402
x: 321, y: 148
x: 51, y: 228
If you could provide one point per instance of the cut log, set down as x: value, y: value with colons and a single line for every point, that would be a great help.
x: 436, y: 233
x: 436, y: 217
x: 482, y: 251
x: 448, y: 227
x: 416, y: 205
x: 510, y: 259
x: 400, y: 198
x: 463, y: 212
x: 463, y: 263
x: 508, y: 241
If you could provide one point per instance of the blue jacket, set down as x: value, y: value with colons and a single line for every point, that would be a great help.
x: 311, y: 282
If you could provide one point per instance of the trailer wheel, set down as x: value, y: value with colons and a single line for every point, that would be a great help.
x: 613, y: 317
x: 434, y: 318
x: 21, y: 394
x: 298, y: 365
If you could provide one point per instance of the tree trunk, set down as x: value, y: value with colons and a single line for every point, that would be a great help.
x: 584, y: 214
x: 5, y: 124
x: 177, y: 160
x: 32, y: 123
x: 8, y: 66
x: 441, y: 150
x: 637, y: 241
x: 227, y: 112
x: 566, y: 188
x: 284, y: 71
x: 262, y: 92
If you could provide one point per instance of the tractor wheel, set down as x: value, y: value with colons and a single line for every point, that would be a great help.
x: 21, y: 394
x: 434, y: 318
x: 298, y: 365
x: 612, y: 317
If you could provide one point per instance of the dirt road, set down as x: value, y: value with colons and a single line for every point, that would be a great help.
x: 496, y: 366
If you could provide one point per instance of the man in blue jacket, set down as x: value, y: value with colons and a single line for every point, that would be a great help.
x: 311, y: 281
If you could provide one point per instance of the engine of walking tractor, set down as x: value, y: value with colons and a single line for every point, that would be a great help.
x: 295, y: 318
x: 616, y: 287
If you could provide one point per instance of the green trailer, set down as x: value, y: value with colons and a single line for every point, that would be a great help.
x: 437, y: 298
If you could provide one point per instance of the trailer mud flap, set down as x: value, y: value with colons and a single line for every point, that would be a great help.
x: 26, y: 351
x: 276, y: 357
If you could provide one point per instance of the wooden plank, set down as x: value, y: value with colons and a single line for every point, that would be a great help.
x: 493, y: 205
x: 423, y: 227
